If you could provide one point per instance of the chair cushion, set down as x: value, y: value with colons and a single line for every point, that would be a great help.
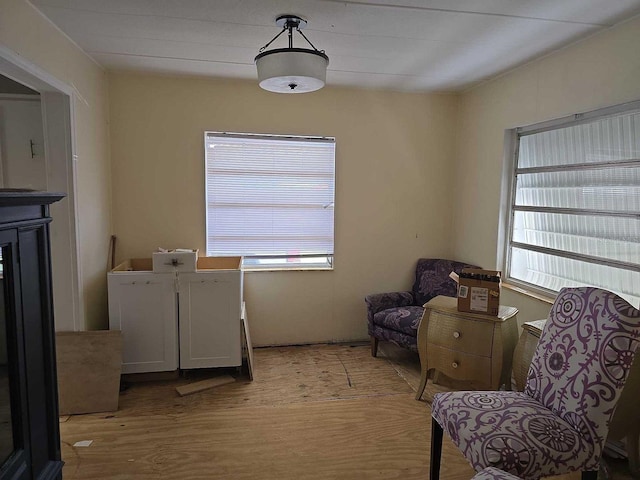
x: 400, y: 319
x: 401, y: 339
x: 512, y: 432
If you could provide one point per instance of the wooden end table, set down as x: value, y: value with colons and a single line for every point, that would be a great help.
x: 471, y: 347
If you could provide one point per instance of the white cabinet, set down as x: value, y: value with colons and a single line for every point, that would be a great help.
x: 177, y: 320
x: 207, y: 301
x: 143, y: 306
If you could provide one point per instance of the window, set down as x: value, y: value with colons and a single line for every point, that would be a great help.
x: 574, y: 204
x: 270, y: 198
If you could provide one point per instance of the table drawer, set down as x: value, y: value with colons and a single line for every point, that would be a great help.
x: 460, y: 366
x: 468, y: 336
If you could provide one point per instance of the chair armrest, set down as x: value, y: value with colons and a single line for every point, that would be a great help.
x: 381, y: 301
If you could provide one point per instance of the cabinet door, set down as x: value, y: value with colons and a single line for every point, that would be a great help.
x: 209, y: 304
x: 15, y: 454
x: 39, y: 347
x: 143, y: 307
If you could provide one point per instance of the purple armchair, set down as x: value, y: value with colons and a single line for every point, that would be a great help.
x: 395, y: 316
x: 560, y: 422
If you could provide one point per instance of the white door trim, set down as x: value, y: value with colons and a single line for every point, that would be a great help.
x: 21, y: 70
x: 60, y: 147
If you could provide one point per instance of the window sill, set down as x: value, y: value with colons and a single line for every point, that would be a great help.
x: 287, y: 269
x: 529, y: 293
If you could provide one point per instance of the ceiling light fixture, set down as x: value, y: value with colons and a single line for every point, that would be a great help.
x: 291, y: 70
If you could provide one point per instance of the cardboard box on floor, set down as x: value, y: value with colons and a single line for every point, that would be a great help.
x: 479, y: 291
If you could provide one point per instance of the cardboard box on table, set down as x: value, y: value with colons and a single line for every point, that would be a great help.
x: 479, y: 291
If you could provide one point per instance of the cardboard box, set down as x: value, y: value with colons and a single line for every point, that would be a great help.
x: 175, y: 261
x: 479, y: 291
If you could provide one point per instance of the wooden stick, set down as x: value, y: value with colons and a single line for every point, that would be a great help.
x: 204, y: 385
x: 113, y: 251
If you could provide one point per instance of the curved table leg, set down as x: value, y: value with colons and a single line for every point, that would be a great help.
x: 421, y: 387
x: 422, y: 352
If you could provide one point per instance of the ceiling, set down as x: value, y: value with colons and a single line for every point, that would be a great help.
x: 407, y: 45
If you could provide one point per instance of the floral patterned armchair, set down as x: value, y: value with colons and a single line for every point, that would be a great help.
x: 395, y: 316
x: 560, y: 422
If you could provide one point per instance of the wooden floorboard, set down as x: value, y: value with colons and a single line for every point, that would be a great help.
x: 313, y: 412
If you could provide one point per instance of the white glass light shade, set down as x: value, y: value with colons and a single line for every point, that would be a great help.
x: 292, y: 70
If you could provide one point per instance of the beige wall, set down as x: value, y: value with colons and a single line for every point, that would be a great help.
x: 393, y: 167
x: 397, y: 155
x: 28, y: 34
x: 599, y: 71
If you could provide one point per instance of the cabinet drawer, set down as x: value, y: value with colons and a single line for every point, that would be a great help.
x: 463, y: 335
x: 460, y: 366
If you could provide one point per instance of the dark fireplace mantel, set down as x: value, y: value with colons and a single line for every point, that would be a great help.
x: 29, y: 431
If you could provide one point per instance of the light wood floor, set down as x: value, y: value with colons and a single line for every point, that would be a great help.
x: 312, y: 412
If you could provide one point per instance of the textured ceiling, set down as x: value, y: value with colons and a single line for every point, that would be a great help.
x: 413, y: 45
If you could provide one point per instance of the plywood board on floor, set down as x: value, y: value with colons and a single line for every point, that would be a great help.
x: 247, y: 346
x: 195, y: 387
x: 88, y: 366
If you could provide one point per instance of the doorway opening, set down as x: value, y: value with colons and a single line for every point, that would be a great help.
x: 37, y: 151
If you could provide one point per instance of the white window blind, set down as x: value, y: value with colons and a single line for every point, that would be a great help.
x: 575, y: 207
x: 270, y: 199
